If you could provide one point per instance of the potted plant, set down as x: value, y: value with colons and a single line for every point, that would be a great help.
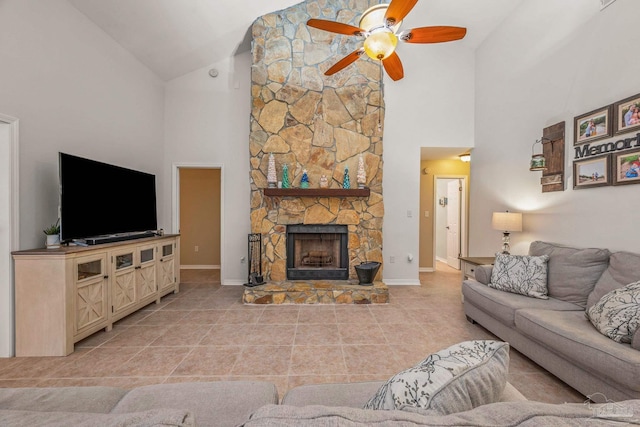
x: 53, y: 235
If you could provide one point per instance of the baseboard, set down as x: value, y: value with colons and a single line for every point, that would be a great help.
x: 395, y: 282
x: 233, y: 282
x: 199, y: 267
x: 441, y: 259
x: 426, y: 270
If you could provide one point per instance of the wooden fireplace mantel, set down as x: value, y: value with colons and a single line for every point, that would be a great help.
x: 317, y: 192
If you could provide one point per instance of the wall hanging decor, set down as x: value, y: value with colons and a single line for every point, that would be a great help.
x: 592, y: 172
x: 592, y: 126
x: 626, y: 168
x: 627, y: 114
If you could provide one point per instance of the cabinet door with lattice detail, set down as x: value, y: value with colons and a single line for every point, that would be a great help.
x: 123, y: 279
x: 90, y: 298
x: 146, y: 272
x: 167, y: 265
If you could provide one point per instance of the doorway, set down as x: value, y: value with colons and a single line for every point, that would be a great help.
x: 449, y: 225
x: 197, y: 206
x: 9, y: 226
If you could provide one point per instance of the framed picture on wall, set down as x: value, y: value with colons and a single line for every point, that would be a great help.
x: 593, y: 172
x: 627, y: 114
x: 626, y: 168
x: 592, y: 126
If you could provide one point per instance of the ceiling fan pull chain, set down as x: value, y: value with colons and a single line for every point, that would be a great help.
x: 380, y: 100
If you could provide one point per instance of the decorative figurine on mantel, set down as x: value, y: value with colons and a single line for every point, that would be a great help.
x: 362, y: 175
x: 324, y: 182
x: 346, y: 183
x: 272, y: 180
x: 285, y: 176
x: 304, y: 181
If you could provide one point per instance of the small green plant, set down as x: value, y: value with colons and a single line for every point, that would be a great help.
x: 53, y: 229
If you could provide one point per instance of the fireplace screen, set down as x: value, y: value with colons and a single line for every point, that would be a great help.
x: 317, y: 252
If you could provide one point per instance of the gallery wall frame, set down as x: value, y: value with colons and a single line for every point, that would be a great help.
x: 627, y: 114
x: 626, y: 167
x: 592, y: 126
x: 592, y: 172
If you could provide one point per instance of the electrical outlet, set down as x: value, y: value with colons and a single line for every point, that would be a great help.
x: 196, y: 248
x: 409, y: 214
x: 392, y: 259
x: 242, y: 260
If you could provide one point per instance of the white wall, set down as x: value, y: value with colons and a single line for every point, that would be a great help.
x: 551, y: 61
x: 207, y: 122
x: 74, y: 90
x: 433, y: 106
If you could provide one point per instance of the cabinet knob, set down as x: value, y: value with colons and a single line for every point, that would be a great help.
x: 105, y: 277
x: 138, y: 267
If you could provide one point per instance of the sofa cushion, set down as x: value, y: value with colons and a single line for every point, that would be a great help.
x: 220, y: 403
x: 152, y: 418
x: 503, y: 305
x: 617, y: 314
x: 524, y: 414
x: 63, y: 399
x: 572, y: 272
x: 458, y: 378
x: 341, y: 394
x: 573, y: 337
x: 624, y: 268
x: 524, y: 275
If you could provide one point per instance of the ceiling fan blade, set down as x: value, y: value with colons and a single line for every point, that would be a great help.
x: 393, y: 66
x: 433, y: 34
x: 347, y: 60
x: 398, y: 9
x: 335, y: 27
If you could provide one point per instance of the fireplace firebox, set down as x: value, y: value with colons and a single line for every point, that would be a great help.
x: 317, y: 252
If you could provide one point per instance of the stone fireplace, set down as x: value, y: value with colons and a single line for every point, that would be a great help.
x: 321, y: 124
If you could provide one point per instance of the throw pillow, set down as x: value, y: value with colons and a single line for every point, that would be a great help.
x: 572, y: 272
x: 520, y: 274
x: 617, y: 314
x: 456, y: 379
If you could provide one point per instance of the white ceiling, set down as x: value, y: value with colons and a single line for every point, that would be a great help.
x: 175, y: 37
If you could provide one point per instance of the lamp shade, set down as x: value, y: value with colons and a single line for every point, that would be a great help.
x: 507, y: 221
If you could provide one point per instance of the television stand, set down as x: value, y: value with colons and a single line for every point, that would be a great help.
x: 118, y: 237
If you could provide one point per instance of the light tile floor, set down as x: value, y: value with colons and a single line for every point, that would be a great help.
x: 205, y: 333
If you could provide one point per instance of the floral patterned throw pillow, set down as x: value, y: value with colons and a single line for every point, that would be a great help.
x: 458, y: 378
x: 617, y: 314
x: 521, y: 274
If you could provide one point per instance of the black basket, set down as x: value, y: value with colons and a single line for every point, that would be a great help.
x: 367, y: 271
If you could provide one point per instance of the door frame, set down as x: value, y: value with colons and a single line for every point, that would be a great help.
x: 7, y: 282
x: 462, y: 224
x: 175, y: 201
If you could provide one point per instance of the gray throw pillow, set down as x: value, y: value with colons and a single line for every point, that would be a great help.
x: 635, y: 342
x: 624, y: 267
x: 456, y: 379
x: 520, y: 274
x: 617, y: 314
x: 572, y: 272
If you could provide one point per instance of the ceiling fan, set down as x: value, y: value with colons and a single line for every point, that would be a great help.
x: 380, y: 25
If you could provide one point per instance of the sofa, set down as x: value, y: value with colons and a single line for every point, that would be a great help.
x: 255, y: 404
x: 554, y: 332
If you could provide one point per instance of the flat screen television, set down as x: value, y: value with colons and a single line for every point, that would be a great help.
x: 98, y: 199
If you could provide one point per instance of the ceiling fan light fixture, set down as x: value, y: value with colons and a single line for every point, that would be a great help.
x: 380, y: 44
x: 373, y: 18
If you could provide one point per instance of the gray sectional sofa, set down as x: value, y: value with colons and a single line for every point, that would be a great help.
x: 555, y: 332
x: 255, y: 404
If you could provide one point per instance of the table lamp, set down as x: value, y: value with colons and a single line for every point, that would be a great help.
x: 507, y: 222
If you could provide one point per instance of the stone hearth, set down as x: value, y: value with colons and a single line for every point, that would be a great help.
x: 317, y: 292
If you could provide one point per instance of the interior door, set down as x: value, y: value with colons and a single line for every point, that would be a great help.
x: 453, y: 223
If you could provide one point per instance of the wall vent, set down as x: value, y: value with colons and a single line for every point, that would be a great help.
x: 605, y: 3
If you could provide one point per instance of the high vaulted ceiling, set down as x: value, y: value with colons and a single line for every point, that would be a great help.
x: 175, y: 37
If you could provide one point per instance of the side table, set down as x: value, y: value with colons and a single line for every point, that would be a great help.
x: 469, y: 265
